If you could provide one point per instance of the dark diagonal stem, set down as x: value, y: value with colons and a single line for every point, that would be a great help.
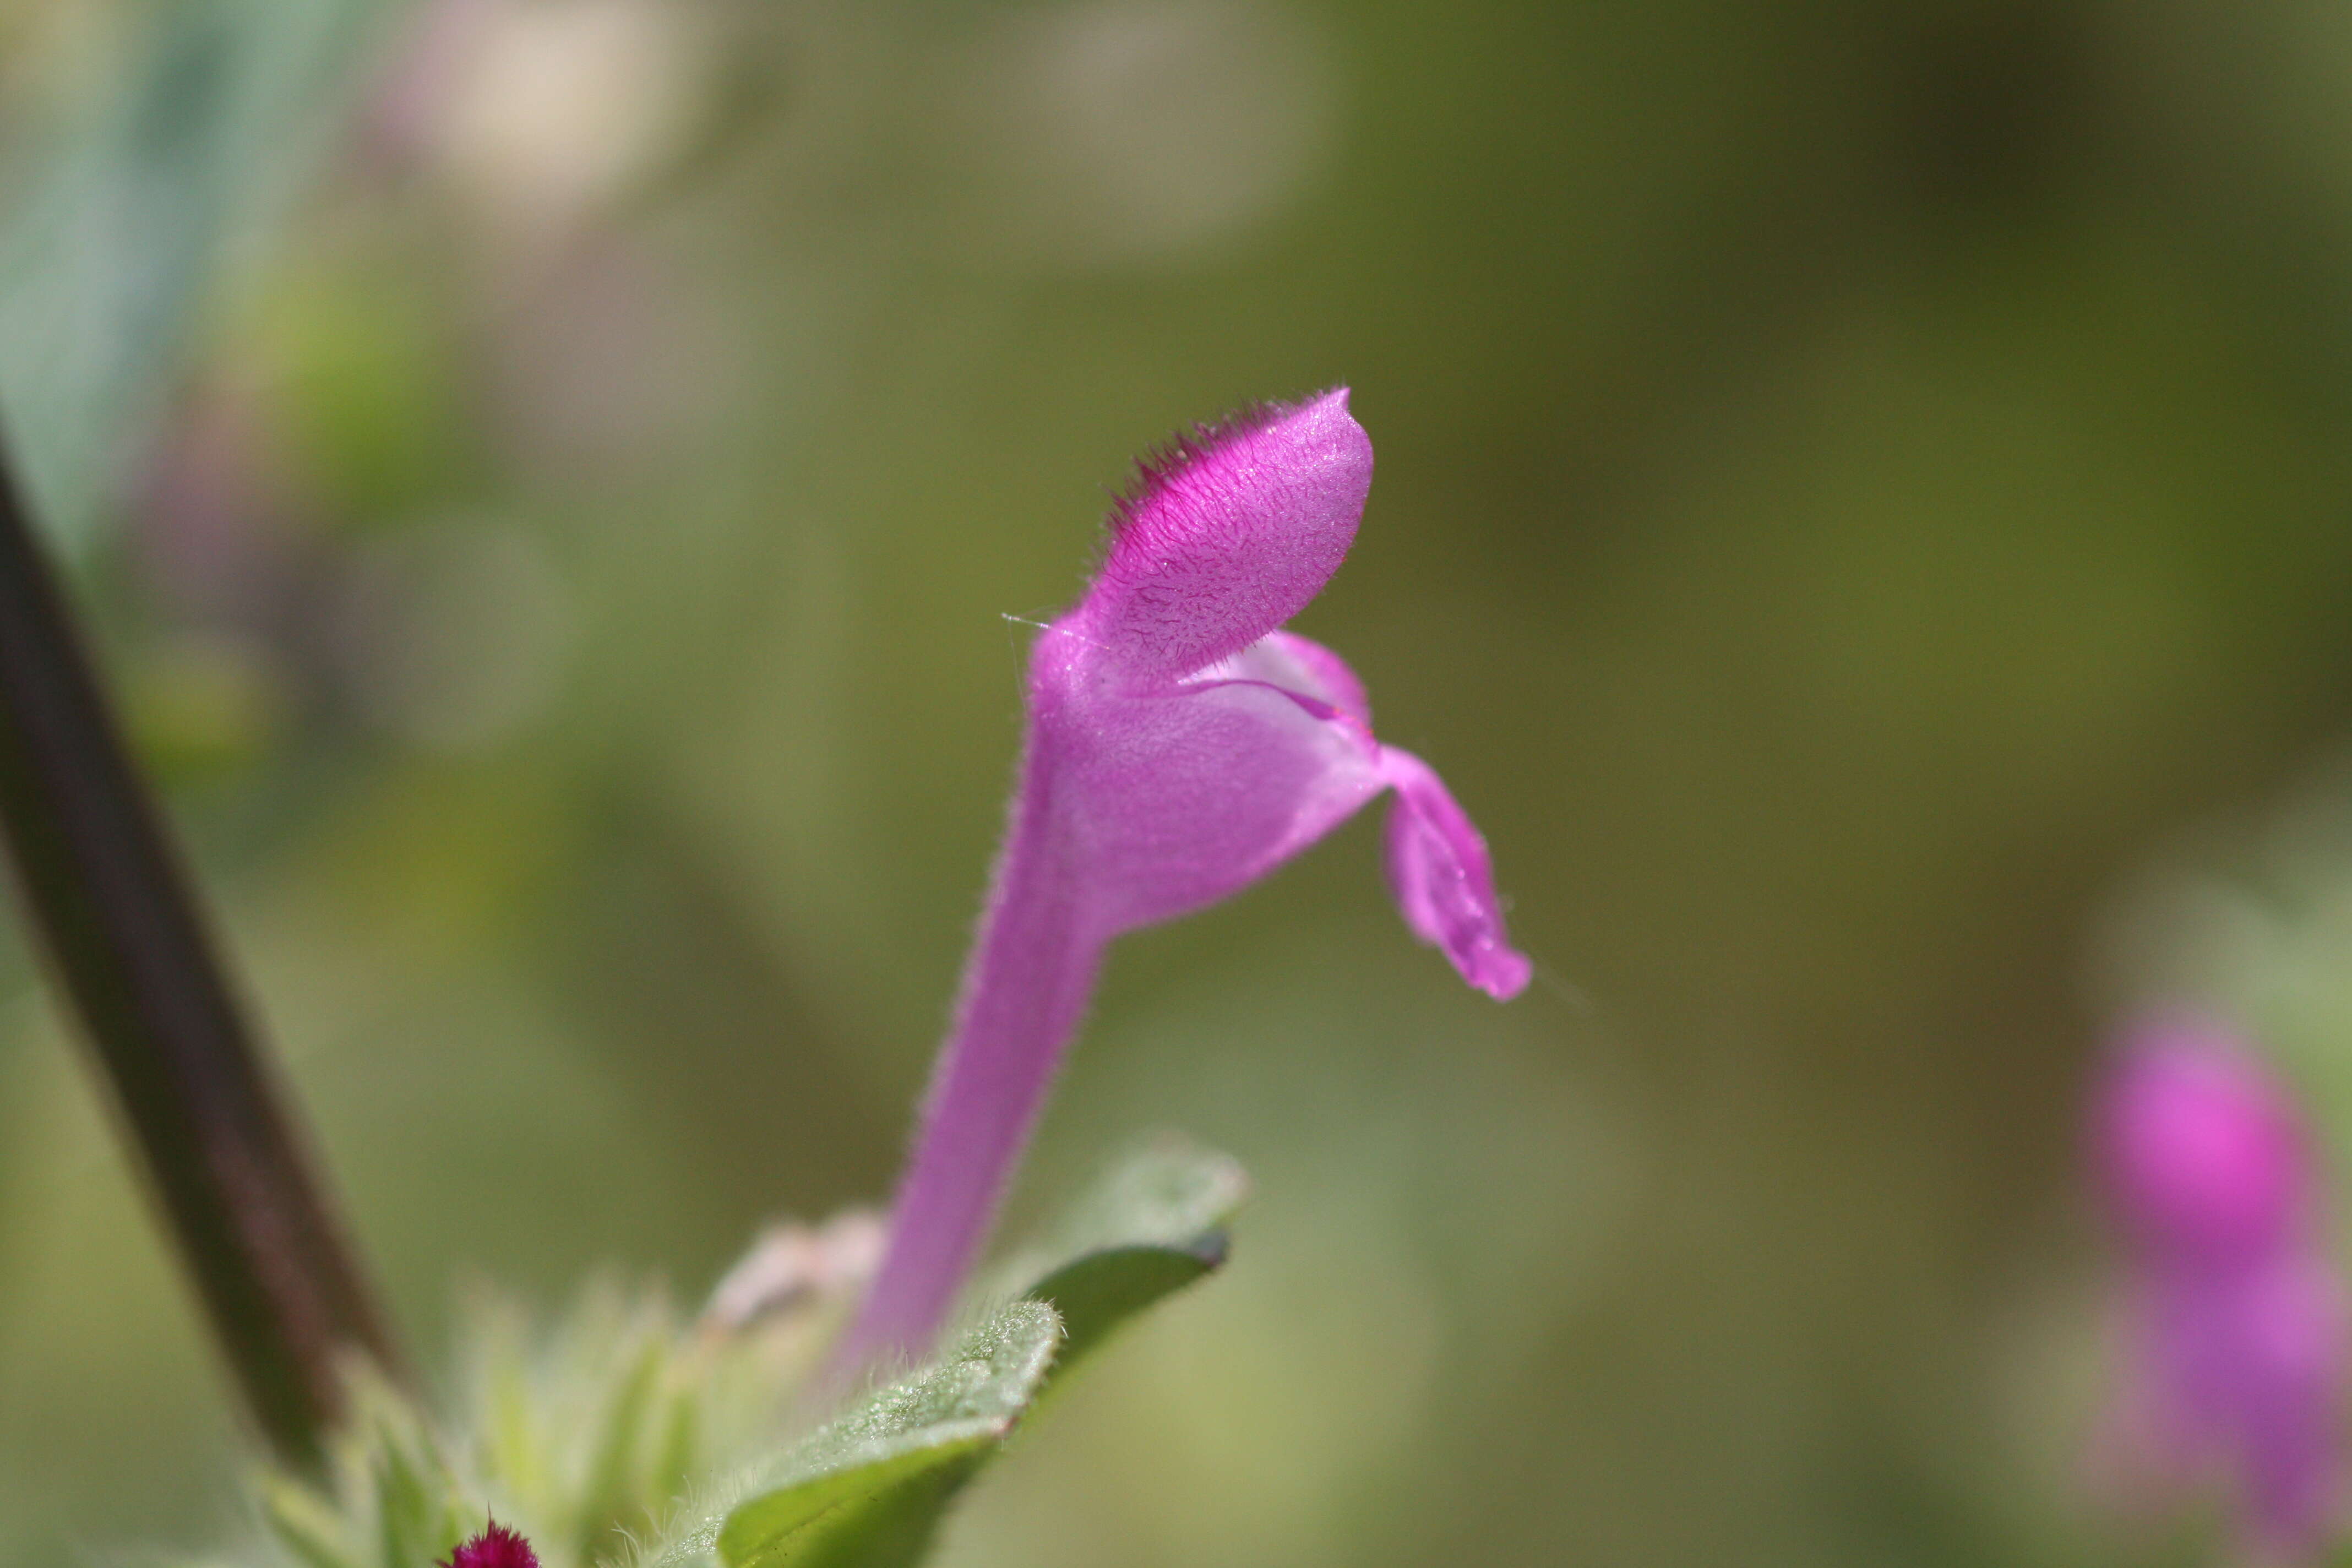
x: 123, y: 936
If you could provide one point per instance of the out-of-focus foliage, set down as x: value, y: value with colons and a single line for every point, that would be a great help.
x: 123, y: 218
x: 1851, y: 481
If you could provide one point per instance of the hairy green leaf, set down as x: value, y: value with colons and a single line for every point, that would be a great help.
x: 871, y: 1487
x: 869, y: 1490
x: 1153, y: 1226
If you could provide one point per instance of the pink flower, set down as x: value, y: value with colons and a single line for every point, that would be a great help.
x: 2237, y: 1353
x: 2204, y: 1156
x: 495, y: 1547
x: 1181, y: 745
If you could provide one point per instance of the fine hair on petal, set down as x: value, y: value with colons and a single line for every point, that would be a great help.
x: 1162, y: 466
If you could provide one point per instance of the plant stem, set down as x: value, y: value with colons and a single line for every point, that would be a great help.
x: 1029, y: 975
x: 195, y: 1092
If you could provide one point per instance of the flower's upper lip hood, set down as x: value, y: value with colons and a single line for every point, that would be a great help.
x: 1228, y: 536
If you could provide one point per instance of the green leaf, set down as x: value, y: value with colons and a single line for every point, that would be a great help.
x: 1099, y: 1292
x: 870, y: 1488
x: 1153, y: 1226
x: 108, y: 257
x: 613, y: 1473
x: 870, y: 1491
x: 414, y: 1505
x: 409, y: 1511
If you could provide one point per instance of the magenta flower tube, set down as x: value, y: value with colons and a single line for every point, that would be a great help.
x: 1179, y: 746
x: 2237, y: 1353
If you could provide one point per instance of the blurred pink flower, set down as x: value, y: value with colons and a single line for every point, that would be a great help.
x: 1180, y: 746
x: 2237, y: 1349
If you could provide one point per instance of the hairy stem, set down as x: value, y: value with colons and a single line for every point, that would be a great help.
x: 121, y: 929
x: 1031, y: 974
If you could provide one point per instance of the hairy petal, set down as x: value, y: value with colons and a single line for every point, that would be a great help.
x: 1444, y: 882
x: 1227, y: 540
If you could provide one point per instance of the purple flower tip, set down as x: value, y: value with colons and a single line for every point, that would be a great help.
x: 1228, y: 535
x: 495, y: 1547
x: 2239, y: 1349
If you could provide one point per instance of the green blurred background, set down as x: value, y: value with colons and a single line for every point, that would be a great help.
x: 1863, y: 488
